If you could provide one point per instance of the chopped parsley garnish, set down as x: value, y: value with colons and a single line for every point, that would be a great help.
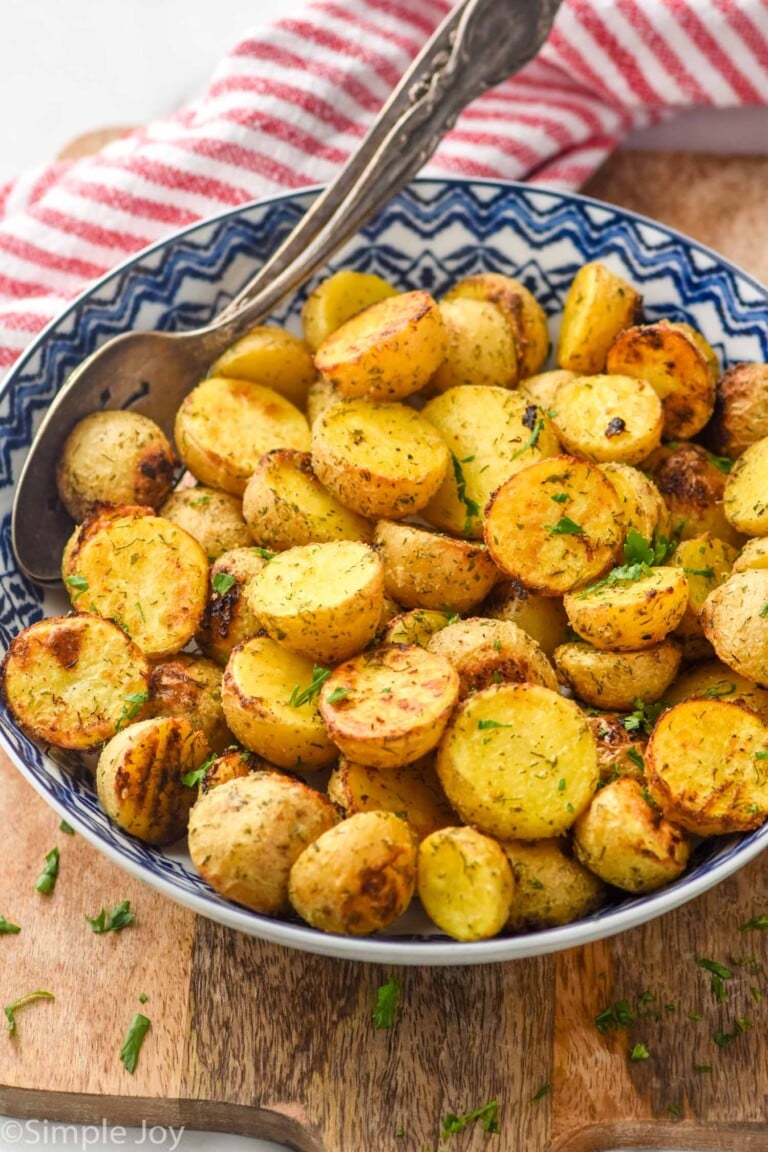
x: 722, y: 463
x: 133, y: 704
x: 67, y: 829
x: 532, y: 440
x: 143, y: 998
x: 120, y: 917
x: 12, y: 1008
x: 483, y: 724
x: 193, y: 779
x: 719, y: 975
x: 78, y: 584
x: 560, y: 497
x: 222, y: 582
x: 639, y: 1052
x: 301, y: 695
x: 8, y: 929
x: 763, y: 612
x: 542, y: 1092
x: 46, y: 881
x: 264, y: 553
x: 707, y: 573
x: 644, y: 717
x: 387, y: 999
x: 487, y: 1115
x: 471, y: 506
x: 640, y: 556
x: 565, y: 527
x: 636, y: 758
x: 129, y: 1053
x: 719, y: 688
x: 338, y: 693
x: 741, y: 1025
x: 615, y: 1017
x: 756, y: 924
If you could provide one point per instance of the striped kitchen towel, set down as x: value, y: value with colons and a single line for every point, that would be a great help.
x: 291, y: 101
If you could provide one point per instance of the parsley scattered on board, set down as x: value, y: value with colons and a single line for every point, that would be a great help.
x: 387, y: 1000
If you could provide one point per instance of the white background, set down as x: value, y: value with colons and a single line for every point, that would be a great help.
x: 69, y: 68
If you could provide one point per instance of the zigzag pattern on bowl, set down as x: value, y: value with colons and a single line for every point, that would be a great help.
x: 433, y: 234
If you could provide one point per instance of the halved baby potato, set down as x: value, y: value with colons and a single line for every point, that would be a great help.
x: 190, y: 686
x: 337, y: 299
x: 520, y: 308
x: 214, y: 518
x: 72, y: 681
x: 599, y: 306
x: 541, y: 389
x: 707, y: 562
x: 714, y: 680
x: 357, y: 877
x: 272, y: 357
x: 228, y: 618
x: 692, y: 485
x: 424, y: 569
x: 519, y: 761
x: 381, y: 460
x: 741, y: 409
x: 555, y: 526
x: 642, y: 504
x: 486, y: 652
x: 614, y: 680
x: 551, y: 888
x: 233, y: 764
x: 285, y: 505
x: 415, y: 627
x: 542, y: 617
x: 389, y: 706
x: 608, y: 418
x: 323, y: 601
x: 412, y: 791
x: 386, y: 352
x: 270, y: 708
x: 465, y: 883
x: 619, y: 752
x: 735, y: 621
x: 224, y: 426
x: 707, y: 764
x: 745, y: 498
x: 754, y: 554
x: 628, y: 615
x: 480, y: 347
x: 139, y: 777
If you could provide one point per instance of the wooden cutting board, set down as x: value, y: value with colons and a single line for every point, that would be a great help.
x: 250, y: 1038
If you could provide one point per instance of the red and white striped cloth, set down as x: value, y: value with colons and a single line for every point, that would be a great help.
x: 291, y: 101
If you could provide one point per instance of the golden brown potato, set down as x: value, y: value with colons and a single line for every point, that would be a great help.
x: 735, y: 621
x: 519, y: 761
x: 555, y: 526
x: 358, y: 877
x: 117, y: 457
x: 245, y: 836
x: 139, y: 777
x: 214, y: 518
x: 754, y: 554
x: 745, y: 502
x: 619, y: 752
x: 386, y: 352
x: 716, y: 681
x: 491, y: 433
x: 389, y: 706
x: 486, y: 652
x: 273, y: 358
x: 381, y: 460
x: 190, y: 686
x: 425, y: 569
x: 225, y: 426
x: 323, y: 601
x: 599, y: 306
x: 320, y: 396
x: 642, y: 505
x: 337, y: 299
x: 692, y: 485
x: 415, y: 627
x: 626, y: 840
x: 465, y: 883
x: 521, y: 310
x: 228, y: 618
x: 608, y: 418
x: 480, y: 347
x: 678, y: 363
x: 551, y: 888
x: 542, y: 617
x: 73, y: 681
x: 269, y: 696
x: 542, y: 388
x: 233, y: 764
x: 741, y: 409
x: 285, y: 505
x: 629, y: 615
x: 146, y: 574
x: 706, y: 763
x: 412, y: 791
x: 707, y: 562
x: 614, y: 680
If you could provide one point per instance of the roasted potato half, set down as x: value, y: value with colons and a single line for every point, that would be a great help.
x: 486, y: 652
x: 465, y: 883
x: 519, y: 761
x: 324, y: 601
x: 555, y: 526
x: 412, y: 791
x: 599, y: 306
x: 389, y: 706
x: 614, y: 680
x: 642, y: 504
x: 73, y: 681
x: 678, y: 363
x: 271, y: 707
x: 339, y: 298
x: 139, y: 777
x: 117, y: 457
x: 735, y: 621
x: 491, y: 433
x: 706, y: 762
x: 285, y: 505
x: 745, y: 497
x: 522, y: 311
x: 627, y: 841
x: 190, y: 686
x: 245, y: 835
x: 692, y: 484
x: 228, y: 619
x: 716, y: 681
x: 386, y: 352
x: 551, y: 888
x: 425, y: 569
x: 707, y: 562
x: 415, y: 627
x: 480, y: 347
x: 273, y: 358
x: 542, y: 617
x: 619, y: 752
x: 233, y: 764
x: 214, y: 518
x: 542, y: 388
x: 608, y: 418
x: 741, y: 409
x: 627, y: 615
x: 358, y: 877
x: 380, y: 460
x: 754, y: 554
x: 224, y: 426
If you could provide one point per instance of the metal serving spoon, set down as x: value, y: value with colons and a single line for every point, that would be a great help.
x: 479, y: 44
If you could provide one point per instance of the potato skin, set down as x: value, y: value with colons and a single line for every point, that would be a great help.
x: 643, y: 506
x: 741, y: 409
x: 744, y: 497
x: 735, y: 622
x: 116, y: 457
x: 614, y: 680
x: 465, y: 883
x: 630, y: 616
x: 619, y: 752
x: 358, y: 877
x: 415, y: 627
x: 486, y: 652
x: 214, y: 518
x: 599, y: 306
x: 716, y: 681
x: 551, y: 888
x: 190, y: 686
x: 428, y: 570
x: 228, y: 619
x: 520, y: 308
x: 245, y: 835
x: 542, y: 617
x: 692, y: 487
x: 233, y: 764
x: 139, y: 777
x: 412, y: 791
x: 627, y: 842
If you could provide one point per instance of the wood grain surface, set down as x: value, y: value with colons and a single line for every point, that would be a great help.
x: 252, y: 1038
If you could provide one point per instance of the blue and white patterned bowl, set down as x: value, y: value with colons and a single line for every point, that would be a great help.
x: 429, y: 237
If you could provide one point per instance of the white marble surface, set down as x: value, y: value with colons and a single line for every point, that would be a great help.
x: 69, y: 68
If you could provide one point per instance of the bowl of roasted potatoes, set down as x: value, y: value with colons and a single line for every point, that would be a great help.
x: 437, y: 631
